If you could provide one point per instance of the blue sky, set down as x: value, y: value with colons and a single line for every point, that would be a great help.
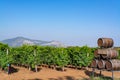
x: 72, y: 22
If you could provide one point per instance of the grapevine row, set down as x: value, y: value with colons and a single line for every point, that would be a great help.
x: 32, y: 56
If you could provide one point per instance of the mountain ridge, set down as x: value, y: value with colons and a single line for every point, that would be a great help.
x: 19, y: 41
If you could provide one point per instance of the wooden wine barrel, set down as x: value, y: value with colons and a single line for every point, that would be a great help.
x: 96, y: 53
x: 101, y: 64
x: 105, y: 42
x: 94, y: 63
x: 109, y: 54
x: 113, y: 64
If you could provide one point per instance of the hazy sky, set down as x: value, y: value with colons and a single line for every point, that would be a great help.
x: 73, y: 22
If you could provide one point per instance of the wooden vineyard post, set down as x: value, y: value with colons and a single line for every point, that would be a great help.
x: 35, y: 61
x: 93, y: 71
x: 8, y: 65
x: 112, y: 75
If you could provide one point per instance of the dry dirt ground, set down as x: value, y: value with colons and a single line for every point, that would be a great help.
x: 50, y: 74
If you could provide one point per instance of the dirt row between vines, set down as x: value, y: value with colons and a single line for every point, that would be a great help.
x: 49, y: 74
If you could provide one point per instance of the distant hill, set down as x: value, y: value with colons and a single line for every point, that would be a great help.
x: 19, y: 41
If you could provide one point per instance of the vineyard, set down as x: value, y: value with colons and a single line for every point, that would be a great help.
x: 32, y: 56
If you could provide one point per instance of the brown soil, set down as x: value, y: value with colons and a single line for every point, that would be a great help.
x: 50, y: 74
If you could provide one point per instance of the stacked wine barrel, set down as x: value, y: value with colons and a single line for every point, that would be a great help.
x: 106, y: 55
